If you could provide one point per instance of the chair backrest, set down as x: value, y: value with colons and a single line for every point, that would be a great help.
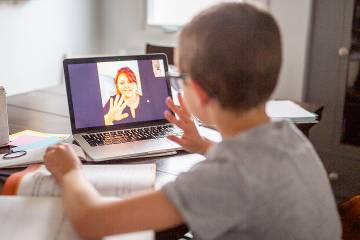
x: 349, y: 211
x: 169, y: 51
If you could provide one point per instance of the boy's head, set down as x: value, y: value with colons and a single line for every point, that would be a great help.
x: 232, y: 51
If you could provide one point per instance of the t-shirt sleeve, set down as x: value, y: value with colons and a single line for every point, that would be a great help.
x: 211, y: 198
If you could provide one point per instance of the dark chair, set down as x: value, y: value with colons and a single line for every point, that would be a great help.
x: 349, y: 211
x: 169, y: 51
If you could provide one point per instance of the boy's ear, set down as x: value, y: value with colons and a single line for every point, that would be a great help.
x: 200, y: 92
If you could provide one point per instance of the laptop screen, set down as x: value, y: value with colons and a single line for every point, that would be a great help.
x: 120, y: 91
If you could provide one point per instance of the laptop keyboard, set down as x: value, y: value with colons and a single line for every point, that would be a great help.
x: 131, y: 135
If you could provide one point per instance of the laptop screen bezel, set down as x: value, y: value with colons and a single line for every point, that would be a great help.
x: 69, y: 61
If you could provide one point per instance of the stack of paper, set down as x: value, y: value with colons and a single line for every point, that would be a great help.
x: 289, y: 110
x: 28, y: 137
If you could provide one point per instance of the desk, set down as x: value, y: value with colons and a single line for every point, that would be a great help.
x: 47, y: 111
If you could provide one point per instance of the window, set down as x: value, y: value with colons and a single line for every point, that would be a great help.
x: 175, y: 13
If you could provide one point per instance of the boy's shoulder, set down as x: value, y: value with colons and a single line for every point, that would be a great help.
x: 273, y: 147
x: 268, y: 139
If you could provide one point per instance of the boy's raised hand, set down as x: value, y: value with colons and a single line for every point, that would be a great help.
x: 191, y: 140
x: 61, y: 159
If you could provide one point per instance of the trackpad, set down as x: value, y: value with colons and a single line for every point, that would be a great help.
x: 155, y: 145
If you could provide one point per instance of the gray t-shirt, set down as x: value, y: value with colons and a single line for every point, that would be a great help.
x: 265, y: 183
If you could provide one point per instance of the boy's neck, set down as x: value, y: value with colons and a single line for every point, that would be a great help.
x: 230, y: 123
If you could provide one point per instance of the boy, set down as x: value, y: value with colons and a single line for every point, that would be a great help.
x: 263, y: 181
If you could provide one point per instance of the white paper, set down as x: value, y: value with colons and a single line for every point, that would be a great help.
x: 109, y: 180
x: 288, y: 110
x: 43, y: 219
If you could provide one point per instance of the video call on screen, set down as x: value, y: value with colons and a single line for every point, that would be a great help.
x: 117, y: 92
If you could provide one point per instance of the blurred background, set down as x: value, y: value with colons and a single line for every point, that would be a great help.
x: 37, y: 34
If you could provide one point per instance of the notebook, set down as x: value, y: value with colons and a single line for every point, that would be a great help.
x: 32, y: 207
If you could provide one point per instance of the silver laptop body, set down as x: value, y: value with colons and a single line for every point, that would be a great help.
x: 131, y: 88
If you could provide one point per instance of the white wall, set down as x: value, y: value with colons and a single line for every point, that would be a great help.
x: 294, y: 18
x: 35, y: 34
x: 123, y: 30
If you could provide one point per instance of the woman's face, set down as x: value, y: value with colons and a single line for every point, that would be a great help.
x: 127, y: 89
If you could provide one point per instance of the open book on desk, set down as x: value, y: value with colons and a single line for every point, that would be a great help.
x: 36, y: 211
x: 109, y: 180
x: 43, y: 218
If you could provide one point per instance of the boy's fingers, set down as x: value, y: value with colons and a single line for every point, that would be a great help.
x: 183, y: 107
x: 61, y: 146
x: 171, y: 105
x: 172, y: 119
x: 181, y: 123
x: 65, y: 145
x: 176, y: 139
x: 49, y: 153
x: 50, y: 148
x: 48, y: 156
x: 174, y: 108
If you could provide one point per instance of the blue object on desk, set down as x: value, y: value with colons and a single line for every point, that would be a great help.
x: 20, y: 151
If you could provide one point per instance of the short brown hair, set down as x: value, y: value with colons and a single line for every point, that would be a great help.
x: 233, y: 50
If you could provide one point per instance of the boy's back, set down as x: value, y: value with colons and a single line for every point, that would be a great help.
x: 265, y: 183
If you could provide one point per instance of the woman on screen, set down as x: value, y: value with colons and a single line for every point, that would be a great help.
x: 127, y: 95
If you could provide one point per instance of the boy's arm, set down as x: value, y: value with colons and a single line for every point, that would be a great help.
x: 94, y: 217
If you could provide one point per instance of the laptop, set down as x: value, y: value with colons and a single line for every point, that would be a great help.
x: 116, y: 106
